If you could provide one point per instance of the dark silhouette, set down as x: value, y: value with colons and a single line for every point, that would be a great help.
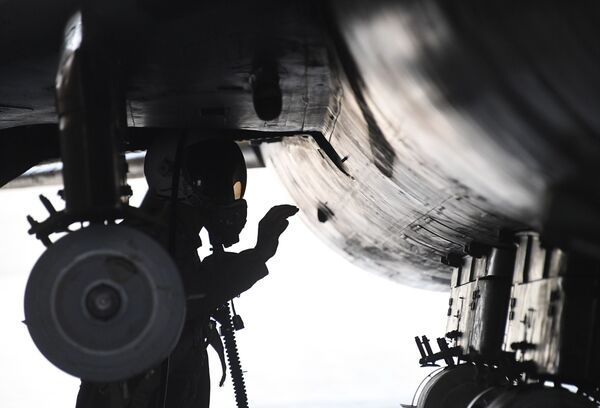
x: 211, y: 182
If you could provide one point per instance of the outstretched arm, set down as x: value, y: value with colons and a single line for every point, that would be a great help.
x: 231, y: 274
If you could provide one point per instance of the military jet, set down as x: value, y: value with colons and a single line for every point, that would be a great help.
x: 446, y: 145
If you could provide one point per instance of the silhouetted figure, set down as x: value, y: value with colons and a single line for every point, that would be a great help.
x: 211, y: 184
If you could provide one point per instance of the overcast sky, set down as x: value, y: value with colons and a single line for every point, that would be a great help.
x: 319, y: 331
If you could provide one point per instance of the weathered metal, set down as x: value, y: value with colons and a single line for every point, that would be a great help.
x: 453, y: 121
x: 455, y: 387
x: 89, y: 122
x: 478, y: 302
x: 553, y: 319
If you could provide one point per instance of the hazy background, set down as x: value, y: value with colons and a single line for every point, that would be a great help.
x: 319, y: 331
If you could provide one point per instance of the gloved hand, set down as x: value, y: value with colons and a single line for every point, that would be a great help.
x: 271, y: 227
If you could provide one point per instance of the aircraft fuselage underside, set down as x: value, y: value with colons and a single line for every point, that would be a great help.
x: 406, y: 165
x: 418, y: 138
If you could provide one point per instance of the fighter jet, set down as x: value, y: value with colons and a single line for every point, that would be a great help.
x: 446, y: 145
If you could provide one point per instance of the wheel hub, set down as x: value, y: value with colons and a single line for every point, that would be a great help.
x: 105, y: 303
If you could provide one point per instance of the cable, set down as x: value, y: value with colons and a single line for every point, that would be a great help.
x: 235, y: 366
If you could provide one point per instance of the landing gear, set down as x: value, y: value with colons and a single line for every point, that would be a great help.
x: 105, y: 302
x: 457, y: 386
x: 486, y: 397
x: 539, y: 397
x: 527, y: 311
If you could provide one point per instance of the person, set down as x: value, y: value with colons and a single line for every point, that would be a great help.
x: 211, y: 182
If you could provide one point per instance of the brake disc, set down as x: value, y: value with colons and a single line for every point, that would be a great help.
x: 105, y: 303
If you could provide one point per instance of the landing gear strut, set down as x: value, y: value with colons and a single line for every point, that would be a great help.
x: 519, y: 312
x: 105, y: 302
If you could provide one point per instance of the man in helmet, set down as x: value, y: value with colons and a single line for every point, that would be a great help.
x: 194, y: 186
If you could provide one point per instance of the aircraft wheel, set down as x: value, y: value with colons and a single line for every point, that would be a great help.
x: 455, y: 387
x: 486, y: 397
x: 540, y: 397
x: 105, y: 303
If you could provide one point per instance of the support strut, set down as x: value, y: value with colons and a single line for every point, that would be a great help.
x: 103, y: 303
x: 91, y: 116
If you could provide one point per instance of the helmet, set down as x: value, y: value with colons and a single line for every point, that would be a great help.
x: 213, y: 171
x: 212, y: 178
x: 216, y: 172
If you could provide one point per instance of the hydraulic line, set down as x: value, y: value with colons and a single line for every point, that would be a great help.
x: 235, y: 366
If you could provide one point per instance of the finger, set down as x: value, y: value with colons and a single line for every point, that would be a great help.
x: 287, y: 208
x: 280, y: 212
x: 289, y: 211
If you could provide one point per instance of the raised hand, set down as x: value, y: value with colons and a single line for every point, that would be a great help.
x: 271, y: 227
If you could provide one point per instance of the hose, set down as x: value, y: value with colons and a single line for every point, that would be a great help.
x: 235, y: 366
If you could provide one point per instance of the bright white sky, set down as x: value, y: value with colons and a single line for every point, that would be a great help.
x: 319, y: 331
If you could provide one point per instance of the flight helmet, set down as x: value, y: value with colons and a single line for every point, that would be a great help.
x: 212, y: 178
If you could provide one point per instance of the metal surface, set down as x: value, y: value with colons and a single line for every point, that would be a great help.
x: 105, y: 303
x: 478, y: 302
x: 540, y: 397
x: 184, y: 68
x: 29, y: 146
x: 455, y: 387
x: 89, y: 120
x: 453, y: 120
x: 430, y: 359
x: 553, y: 320
x: 456, y: 120
x: 487, y: 397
